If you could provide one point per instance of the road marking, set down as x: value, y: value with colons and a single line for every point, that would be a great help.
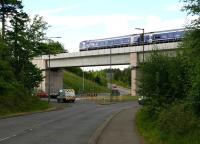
x: 6, y: 138
x: 3, y: 139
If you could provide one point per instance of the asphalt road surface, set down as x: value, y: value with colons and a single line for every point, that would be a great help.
x: 71, y: 125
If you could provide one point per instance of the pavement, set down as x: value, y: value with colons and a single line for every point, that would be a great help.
x: 120, y: 129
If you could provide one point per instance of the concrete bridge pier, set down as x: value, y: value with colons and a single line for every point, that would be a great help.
x: 56, y: 80
x: 134, y: 72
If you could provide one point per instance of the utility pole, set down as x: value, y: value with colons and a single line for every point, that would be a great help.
x: 110, y: 77
x: 83, y: 81
x: 142, y: 53
x: 49, y: 70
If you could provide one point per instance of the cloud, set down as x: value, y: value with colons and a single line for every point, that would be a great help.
x: 51, y: 11
x: 174, y: 7
x: 73, y: 22
x: 102, y: 26
x: 155, y: 23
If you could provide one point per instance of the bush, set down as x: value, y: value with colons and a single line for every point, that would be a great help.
x: 164, y: 80
x: 178, y: 119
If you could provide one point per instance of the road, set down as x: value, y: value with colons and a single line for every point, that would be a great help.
x: 72, y: 125
x: 123, y: 91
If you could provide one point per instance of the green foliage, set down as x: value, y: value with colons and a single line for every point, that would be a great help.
x: 163, y: 81
x: 32, y: 76
x: 172, y: 88
x: 192, y: 6
x: 194, y: 91
x: 121, y: 77
x: 168, y: 130
x: 51, y: 47
x: 76, y: 82
x: 8, y: 8
x: 178, y: 119
x: 7, y: 78
x: 21, y: 41
x: 13, y: 104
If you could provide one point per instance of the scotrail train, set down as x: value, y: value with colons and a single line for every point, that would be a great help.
x: 133, y: 40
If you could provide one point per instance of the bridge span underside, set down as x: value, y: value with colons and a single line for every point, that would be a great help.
x: 119, y: 56
x: 87, y: 61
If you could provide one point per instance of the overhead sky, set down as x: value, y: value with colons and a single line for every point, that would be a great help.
x: 78, y: 20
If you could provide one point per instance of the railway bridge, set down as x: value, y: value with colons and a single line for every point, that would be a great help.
x: 132, y: 56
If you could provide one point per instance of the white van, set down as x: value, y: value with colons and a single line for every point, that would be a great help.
x: 66, y: 95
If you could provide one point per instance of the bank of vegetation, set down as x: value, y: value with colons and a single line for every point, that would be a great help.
x: 22, y: 38
x: 71, y: 80
x: 101, y: 77
x: 171, y: 87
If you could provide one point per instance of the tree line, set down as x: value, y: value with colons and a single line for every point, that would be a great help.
x: 22, y: 38
x: 171, y: 86
x: 120, y: 77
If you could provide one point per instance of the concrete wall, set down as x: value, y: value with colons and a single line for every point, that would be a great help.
x: 56, y: 80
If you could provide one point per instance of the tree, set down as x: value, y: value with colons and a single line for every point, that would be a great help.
x: 8, y: 8
x: 26, y: 40
x: 191, y: 44
x: 51, y: 47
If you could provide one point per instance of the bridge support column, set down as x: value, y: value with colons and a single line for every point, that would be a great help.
x: 134, y: 72
x: 56, y: 80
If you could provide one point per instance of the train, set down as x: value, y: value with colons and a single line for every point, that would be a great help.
x: 165, y: 36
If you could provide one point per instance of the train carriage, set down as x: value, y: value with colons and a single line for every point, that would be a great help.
x: 136, y: 39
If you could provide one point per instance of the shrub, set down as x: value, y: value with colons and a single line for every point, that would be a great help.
x: 178, y: 119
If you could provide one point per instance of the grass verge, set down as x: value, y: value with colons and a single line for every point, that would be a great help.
x: 38, y: 106
x: 151, y: 133
x: 108, y: 100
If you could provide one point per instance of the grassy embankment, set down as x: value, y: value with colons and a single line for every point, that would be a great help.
x: 76, y: 82
x: 152, y: 134
x: 12, y: 106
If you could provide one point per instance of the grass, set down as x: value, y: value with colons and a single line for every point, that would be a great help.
x: 108, y: 100
x: 153, y: 135
x: 129, y: 98
x: 76, y: 82
x: 36, y: 106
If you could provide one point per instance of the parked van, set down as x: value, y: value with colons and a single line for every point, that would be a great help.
x: 66, y: 95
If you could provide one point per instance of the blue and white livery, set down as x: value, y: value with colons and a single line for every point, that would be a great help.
x: 133, y: 40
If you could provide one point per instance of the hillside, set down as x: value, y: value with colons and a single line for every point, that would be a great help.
x: 76, y: 82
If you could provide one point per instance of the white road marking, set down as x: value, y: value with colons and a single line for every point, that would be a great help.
x: 3, y: 139
x: 6, y: 138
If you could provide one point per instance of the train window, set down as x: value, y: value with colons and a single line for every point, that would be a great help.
x: 146, y: 38
x: 163, y: 36
x: 171, y: 35
x: 126, y: 40
x: 92, y: 44
x: 110, y: 42
x: 102, y: 43
x: 157, y: 36
x: 117, y: 41
x: 178, y: 34
x: 136, y: 38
